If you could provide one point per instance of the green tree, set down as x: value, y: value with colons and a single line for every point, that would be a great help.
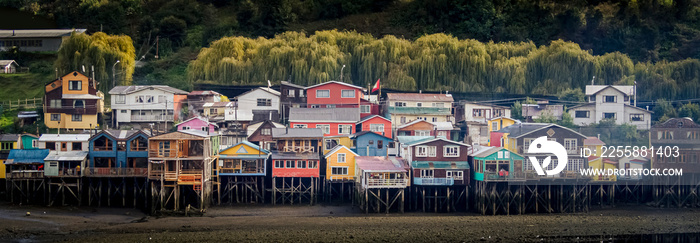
x: 664, y: 108
x: 690, y: 110
x: 516, y: 111
x: 572, y: 95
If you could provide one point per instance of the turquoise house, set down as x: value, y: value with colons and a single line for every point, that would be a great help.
x: 496, y: 164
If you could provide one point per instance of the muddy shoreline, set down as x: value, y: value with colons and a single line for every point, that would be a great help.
x: 333, y: 224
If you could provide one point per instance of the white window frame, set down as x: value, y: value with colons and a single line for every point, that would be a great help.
x: 301, y: 126
x: 325, y: 128
x: 427, y: 173
x: 365, y: 109
x: 419, y: 104
x: 341, y: 129
x: 343, y: 156
x: 432, y: 151
x: 266, y: 131
x: 447, y: 153
x: 185, y: 128
x: 570, y: 144
x: 120, y: 99
x: 290, y: 93
x: 79, y: 87
x: 494, y: 126
x: 162, y: 99
x: 421, y: 151
x: 376, y: 128
x: 458, y: 175
x: 422, y: 132
x: 318, y: 92
x: 76, y: 118
x: 55, y: 104
x: 55, y: 117
x: 279, y: 163
x: 343, y: 93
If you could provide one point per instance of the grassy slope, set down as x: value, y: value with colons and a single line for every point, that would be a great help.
x: 22, y: 86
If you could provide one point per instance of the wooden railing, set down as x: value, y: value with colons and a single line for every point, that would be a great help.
x: 117, y: 171
x: 152, y: 118
x: 300, y: 149
x: 495, y: 176
x: 387, y: 183
x: 434, y: 181
x: 25, y: 174
x: 68, y: 172
x: 31, y: 103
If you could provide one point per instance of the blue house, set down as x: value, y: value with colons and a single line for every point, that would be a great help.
x: 26, y: 163
x: 368, y: 143
x: 118, y: 153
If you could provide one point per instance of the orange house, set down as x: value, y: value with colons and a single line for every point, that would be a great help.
x: 72, y: 102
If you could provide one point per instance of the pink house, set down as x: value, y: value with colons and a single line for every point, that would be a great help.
x: 197, y: 123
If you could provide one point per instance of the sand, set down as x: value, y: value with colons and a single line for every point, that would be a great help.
x: 333, y: 224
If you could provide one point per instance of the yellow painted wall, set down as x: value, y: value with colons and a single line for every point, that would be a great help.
x: 596, y: 149
x: 345, y: 141
x: 332, y: 161
x: 2, y: 163
x: 234, y: 149
x: 79, y: 77
x: 502, y: 122
x: 595, y: 164
x: 67, y: 123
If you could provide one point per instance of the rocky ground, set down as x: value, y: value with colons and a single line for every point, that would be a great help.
x: 337, y: 223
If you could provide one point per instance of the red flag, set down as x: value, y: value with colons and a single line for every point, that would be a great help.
x: 376, y: 86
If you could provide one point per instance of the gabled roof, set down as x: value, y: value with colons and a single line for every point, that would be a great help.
x: 594, y: 89
x: 443, y: 126
x: 436, y: 139
x: 592, y: 141
x: 285, y: 83
x: 335, y: 82
x: 334, y: 115
x: 123, y: 90
x: 380, y: 164
x: 516, y: 132
x: 483, y: 151
x: 362, y: 133
x: 64, y: 137
x: 121, y: 134
x: 27, y: 156
x: 464, y: 102
x: 198, y: 118
x: 259, y: 125
x: 219, y: 104
x: 266, y: 89
x: 519, y: 128
x: 9, y: 137
x: 366, y: 118
x: 38, y: 33
x: 67, y: 156
x: 203, y: 92
x: 337, y: 148
x: 7, y: 62
x: 412, y: 139
x: 276, y: 155
x: 297, y: 133
x: 414, y: 122
x: 252, y: 145
x: 182, y: 134
x: 420, y: 97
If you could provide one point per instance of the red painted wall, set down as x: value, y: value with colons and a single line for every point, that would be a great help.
x: 334, y: 126
x: 376, y: 120
x: 495, y: 139
x: 295, y: 172
x: 335, y: 96
x: 373, y: 108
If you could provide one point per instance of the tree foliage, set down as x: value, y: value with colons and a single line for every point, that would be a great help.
x: 101, y: 51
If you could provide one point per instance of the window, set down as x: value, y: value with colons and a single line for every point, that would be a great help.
x: 325, y: 128
x: 300, y: 126
x: 76, y: 146
x: 439, y: 105
x: 77, y: 117
x: 434, y: 119
x: 330, y: 106
x: 582, y: 114
x: 213, y: 111
x: 526, y: 143
x: 636, y: 117
x: 481, y: 113
x: 347, y: 93
x: 494, y: 126
x: 264, y: 102
x: 266, y: 131
x: 315, y: 106
x: 55, y: 103
x: 422, y: 133
x: 185, y: 128
x: 378, y: 128
x: 339, y: 170
x: 75, y: 85
x: 35, y: 143
x: 570, y: 144
x: 380, y: 144
x: 50, y: 145
x: 425, y: 151
x: 140, y: 98
x: 418, y: 104
x: 290, y: 163
x: 457, y: 175
x: 365, y: 109
x: 204, y: 129
x: 451, y: 151
x: 78, y: 104
x: 149, y: 98
x: 330, y: 143
x: 609, y: 115
x: 313, y: 164
x: 279, y: 163
x: 164, y: 149
x: 301, y: 93
x: 442, y: 134
x: 399, y: 104
x: 290, y: 93
x: 427, y: 173
x: 573, y: 165
x: 665, y: 134
x: 609, y: 99
x: 591, y: 98
x: 403, y: 120
x: 123, y: 111
x: 344, y: 129
x: 341, y: 158
x: 323, y: 93
x: 55, y: 117
x: 301, y: 164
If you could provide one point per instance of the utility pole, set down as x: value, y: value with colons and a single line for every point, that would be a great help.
x: 341, y: 73
x: 114, y: 73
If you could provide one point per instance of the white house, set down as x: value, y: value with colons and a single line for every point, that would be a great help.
x: 140, y: 105
x: 261, y: 98
x: 481, y: 112
x: 64, y: 142
x: 8, y: 66
x: 611, y: 102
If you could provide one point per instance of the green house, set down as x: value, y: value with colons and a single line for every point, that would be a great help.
x: 496, y: 164
x: 28, y: 141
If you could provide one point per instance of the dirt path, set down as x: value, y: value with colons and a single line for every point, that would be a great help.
x: 327, y: 223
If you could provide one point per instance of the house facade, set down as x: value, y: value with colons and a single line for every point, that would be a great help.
x: 496, y: 164
x: 480, y: 112
x: 681, y: 132
x: 340, y: 164
x: 258, y: 99
x: 377, y: 124
x: 371, y: 144
x: 261, y: 133
x: 197, y: 123
x: 72, y: 102
x: 243, y: 159
x: 424, y: 128
x: 333, y: 94
x: 297, y: 152
x: 139, y: 105
x: 291, y: 96
x: 35, y: 40
x: 197, y: 99
x: 8, y: 66
x: 332, y: 121
x: 403, y: 108
x: 439, y: 162
x: 118, y: 153
x: 611, y: 102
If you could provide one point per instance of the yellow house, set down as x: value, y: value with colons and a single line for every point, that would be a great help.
x: 497, y: 123
x: 340, y: 164
x: 243, y: 159
x: 602, y: 164
x: 331, y: 142
x: 594, y: 144
x: 7, y: 143
x: 72, y: 102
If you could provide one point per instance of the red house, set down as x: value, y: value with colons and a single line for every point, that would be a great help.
x: 368, y: 108
x: 376, y: 124
x: 331, y: 121
x: 333, y: 94
x: 296, y: 153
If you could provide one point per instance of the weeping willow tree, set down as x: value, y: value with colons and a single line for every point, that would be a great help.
x: 101, y: 51
x: 435, y: 62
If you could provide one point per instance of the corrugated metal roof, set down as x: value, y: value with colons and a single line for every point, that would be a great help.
x: 292, y: 85
x: 380, y: 164
x: 136, y: 88
x: 483, y: 151
x: 81, y: 96
x: 9, y: 137
x: 521, y: 128
x: 443, y: 126
x: 420, y: 97
x: 297, y: 133
x: 67, y: 156
x: 456, y: 165
x: 27, y: 156
x: 122, y: 134
x: 204, y: 92
x: 412, y: 139
x: 362, y: 133
x: 294, y: 156
x: 420, y: 110
x: 366, y: 118
x: 324, y: 115
x: 38, y: 33
x: 64, y: 137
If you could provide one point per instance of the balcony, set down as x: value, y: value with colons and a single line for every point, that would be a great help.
x: 433, y: 181
x: 494, y: 176
x: 25, y: 174
x: 300, y: 149
x: 387, y: 183
x: 116, y: 172
x: 421, y: 110
x: 139, y: 118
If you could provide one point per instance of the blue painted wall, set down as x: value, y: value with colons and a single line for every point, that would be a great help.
x: 121, y: 156
x: 363, y: 141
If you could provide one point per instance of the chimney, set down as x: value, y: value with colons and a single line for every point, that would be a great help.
x: 13, y: 32
x: 420, y: 91
x: 598, y: 135
x: 593, y: 81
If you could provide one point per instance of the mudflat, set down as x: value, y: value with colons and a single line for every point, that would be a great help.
x: 333, y: 224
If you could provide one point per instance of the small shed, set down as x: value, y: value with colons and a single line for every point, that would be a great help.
x: 25, y: 163
x: 65, y: 164
x: 8, y: 66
